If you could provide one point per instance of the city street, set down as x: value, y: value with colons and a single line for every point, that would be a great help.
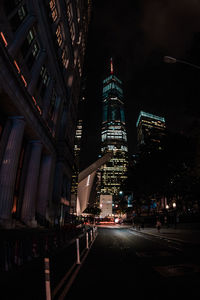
x: 127, y: 263
x: 99, y: 150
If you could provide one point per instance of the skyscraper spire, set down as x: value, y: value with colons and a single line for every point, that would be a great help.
x: 111, y: 66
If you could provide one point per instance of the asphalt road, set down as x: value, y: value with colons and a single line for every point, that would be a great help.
x: 127, y: 264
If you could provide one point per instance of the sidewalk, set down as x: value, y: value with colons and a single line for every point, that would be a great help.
x: 191, y: 236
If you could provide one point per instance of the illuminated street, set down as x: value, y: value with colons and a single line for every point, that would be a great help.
x: 123, y: 262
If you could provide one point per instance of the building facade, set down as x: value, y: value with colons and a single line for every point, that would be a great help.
x: 76, y: 167
x: 42, y: 48
x: 150, y: 130
x: 113, y: 136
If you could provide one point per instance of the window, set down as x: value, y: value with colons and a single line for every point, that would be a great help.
x: 79, y: 67
x: 27, y: 43
x: 54, y: 12
x: 16, y: 12
x: 65, y: 59
x: 78, y: 12
x: 43, y: 81
x: 30, y: 48
x: 32, y: 55
x: 44, y: 75
x: 70, y: 21
x: 59, y: 35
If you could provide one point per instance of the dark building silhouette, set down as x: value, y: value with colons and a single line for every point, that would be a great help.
x: 42, y: 49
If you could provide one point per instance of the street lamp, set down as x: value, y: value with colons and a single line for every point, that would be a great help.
x: 174, y: 206
x: 173, y: 60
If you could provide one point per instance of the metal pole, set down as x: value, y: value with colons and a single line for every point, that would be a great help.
x: 78, y: 252
x: 94, y: 231
x: 87, y: 247
x: 91, y: 237
x: 47, y: 278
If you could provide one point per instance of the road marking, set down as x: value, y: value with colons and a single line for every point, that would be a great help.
x: 177, y: 270
x: 153, y: 237
x: 155, y: 253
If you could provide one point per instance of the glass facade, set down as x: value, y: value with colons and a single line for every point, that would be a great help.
x: 150, y: 129
x: 113, y: 136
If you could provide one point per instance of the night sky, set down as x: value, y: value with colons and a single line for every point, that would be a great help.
x: 137, y: 34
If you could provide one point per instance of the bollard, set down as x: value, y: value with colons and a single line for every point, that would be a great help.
x: 93, y: 232
x: 78, y: 252
x: 91, y: 237
x: 87, y: 247
x: 47, y: 278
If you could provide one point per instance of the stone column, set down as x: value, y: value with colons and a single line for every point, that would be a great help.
x: 45, y: 185
x: 57, y: 189
x: 4, y: 138
x: 8, y: 169
x: 36, y: 72
x: 20, y: 36
x: 31, y: 184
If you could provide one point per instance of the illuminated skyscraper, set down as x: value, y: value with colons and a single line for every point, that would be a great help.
x: 113, y: 135
x: 77, y: 149
x: 150, y: 129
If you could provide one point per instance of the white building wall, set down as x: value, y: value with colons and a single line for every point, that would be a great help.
x: 106, y: 205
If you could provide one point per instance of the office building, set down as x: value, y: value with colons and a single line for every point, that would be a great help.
x: 76, y: 167
x: 42, y: 49
x: 113, y: 135
x: 150, y: 130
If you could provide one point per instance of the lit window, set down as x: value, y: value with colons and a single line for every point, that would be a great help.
x: 79, y: 67
x: 27, y: 42
x: 30, y: 36
x: 65, y: 59
x: 32, y: 56
x: 44, y: 75
x: 22, y: 13
x: 52, y: 4
x: 54, y: 12
x: 70, y: 21
x: 59, y: 35
x: 35, y: 49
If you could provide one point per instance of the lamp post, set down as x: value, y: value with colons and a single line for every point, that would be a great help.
x: 174, y: 207
x: 166, y: 218
x: 173, y: 60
